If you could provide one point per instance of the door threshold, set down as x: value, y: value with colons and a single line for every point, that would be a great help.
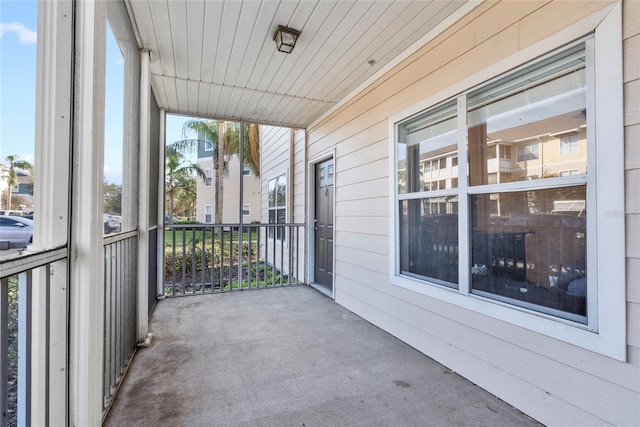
x: 322, y: 289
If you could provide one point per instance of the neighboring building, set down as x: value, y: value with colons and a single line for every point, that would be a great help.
x: 205, y: 199
x: 22, y: 189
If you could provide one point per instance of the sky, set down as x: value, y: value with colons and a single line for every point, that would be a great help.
x: 18, y: 42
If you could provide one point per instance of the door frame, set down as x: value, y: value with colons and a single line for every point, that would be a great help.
x: 311, y: 235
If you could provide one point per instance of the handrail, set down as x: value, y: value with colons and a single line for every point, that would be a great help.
x: 30, y: 260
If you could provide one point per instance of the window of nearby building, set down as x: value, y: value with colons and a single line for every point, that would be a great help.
x: 520, y: 253
x: 209, y: 177
x: 530, y: 151
x: 571, y: 172
x: 208, y: 146
x: 570, y: 144
x: 246, y: 210
x: 246, y: 170
x: 277, y: 205
x: 208, y: 214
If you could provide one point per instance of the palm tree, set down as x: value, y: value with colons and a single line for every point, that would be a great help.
x: 178, y: 168
x: 12, y: 178
x: 212, y: 132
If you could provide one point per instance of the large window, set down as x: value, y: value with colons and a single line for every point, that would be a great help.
x: 523, y: 245
x: 277, y: 205
x: 209, y: 177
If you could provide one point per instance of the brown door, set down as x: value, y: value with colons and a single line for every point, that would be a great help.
x: 323, y: 225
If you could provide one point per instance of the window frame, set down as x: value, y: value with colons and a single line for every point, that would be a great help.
x: 208, y: 182
x: 208, y: 208
x: 605, y: 331
x: 279, y: 236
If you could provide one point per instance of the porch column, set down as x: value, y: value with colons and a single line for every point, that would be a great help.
x: 51, y: 196
x: 143, y: 201
x: 86, y: 244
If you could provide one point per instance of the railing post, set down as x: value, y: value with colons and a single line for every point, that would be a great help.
x: 24, y: 348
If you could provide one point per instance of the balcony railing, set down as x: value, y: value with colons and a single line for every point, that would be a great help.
x: 120, y: 299
x: 21, y: 279
x: 226, y: 257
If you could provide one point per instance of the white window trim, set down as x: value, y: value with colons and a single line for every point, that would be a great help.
x: 208, y: 146
x: 606, y: 332
x: 246, y: 207
x: 209, y: 176
x: 204, y: 219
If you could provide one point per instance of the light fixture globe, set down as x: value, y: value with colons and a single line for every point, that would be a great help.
x: 286, y: 38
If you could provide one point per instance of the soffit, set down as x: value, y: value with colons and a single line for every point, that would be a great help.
x: 218, y: 59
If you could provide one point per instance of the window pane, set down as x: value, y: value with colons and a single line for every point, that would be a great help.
x: 529, y: 248
x: 424, y: 144
x: 281, y: 191
x: 272, y: 193
x: 534, y: 111
x: 429, y: 239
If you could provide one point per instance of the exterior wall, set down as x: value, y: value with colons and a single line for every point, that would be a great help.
x: 554, y: 382
x: 231, y: 193
x: 283, y: 152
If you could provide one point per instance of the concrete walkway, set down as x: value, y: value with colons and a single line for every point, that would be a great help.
x: 290, y: 357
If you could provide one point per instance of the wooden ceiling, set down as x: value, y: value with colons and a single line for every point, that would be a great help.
x: 218, y: 59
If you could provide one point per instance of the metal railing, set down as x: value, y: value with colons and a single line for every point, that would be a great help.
x: 120, y: 302
x: 21, y: 278
x: 210, y: 258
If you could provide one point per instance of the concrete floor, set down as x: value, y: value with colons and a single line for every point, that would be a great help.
x: 290, y: 357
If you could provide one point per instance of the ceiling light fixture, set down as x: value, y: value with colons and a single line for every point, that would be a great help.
x: 286, y: 38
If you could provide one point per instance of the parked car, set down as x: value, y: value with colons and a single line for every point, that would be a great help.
x: 15, y: 231
x: 11, y: 212
x: 111, y: 224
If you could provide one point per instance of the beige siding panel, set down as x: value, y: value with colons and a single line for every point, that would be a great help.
x: 366, y: 156
x: 632, y: 59
x: 356, y: 273
x: 364, y: 259
x: 633, y: 231
x: 630, y: 18
x: 502, y: 16
x: 367, y: 172
x: 376, y: 133
x: 632, y: 202
x: 368, y: 225
x: 515, y: 392
x: 363, y: 208
x: 363, y: 190
x: 365, y: 242
x: 633, y: 320
x: 554, y: 17
x: 633, y: 280
x: 632, y: 103
x: 632, y: 148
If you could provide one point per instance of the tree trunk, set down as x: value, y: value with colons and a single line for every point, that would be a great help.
x: 219, y: 172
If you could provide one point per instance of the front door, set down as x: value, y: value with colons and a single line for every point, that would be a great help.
x: 323, y: 225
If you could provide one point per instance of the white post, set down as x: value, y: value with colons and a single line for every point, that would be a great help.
x: 87, y: 281
x: 161, y: 207
x: 143, y: 201
x: 51, y: 197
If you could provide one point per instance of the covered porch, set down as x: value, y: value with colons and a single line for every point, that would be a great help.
x: 289, y: 356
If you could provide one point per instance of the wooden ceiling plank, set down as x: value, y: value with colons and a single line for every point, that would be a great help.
x: 330, y: 35
x: 162, y: 29
x: 240, y: 49
x: 204, y: 92
x: 193, y: 94
x: 213, y: 19
x: 270, y: 59
x: 179, y: 37
x: 261, y: 38
x: 370, y: 19
x: 226, y: 40
x: 354, y: 61
x: 319, y: 23
x: 195, y: 37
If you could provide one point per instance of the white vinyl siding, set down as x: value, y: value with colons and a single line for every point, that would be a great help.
x: 488, y: 345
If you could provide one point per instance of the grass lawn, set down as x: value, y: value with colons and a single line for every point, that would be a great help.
x: 200, y: 234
